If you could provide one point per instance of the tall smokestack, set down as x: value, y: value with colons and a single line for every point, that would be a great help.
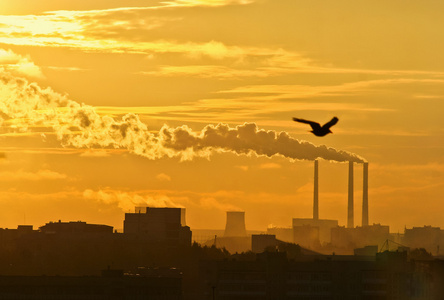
x: 316, y: 192
x: 235, y: 225
x: 350, y: 215
x: 365, y: 196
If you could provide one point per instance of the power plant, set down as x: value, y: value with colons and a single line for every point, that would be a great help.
x: 235, y: 226
x: 318, y: 231
x: 313, y: 233
x: 350, y: 203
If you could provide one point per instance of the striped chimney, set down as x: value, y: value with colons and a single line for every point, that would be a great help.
x: 350, y: 214
x: 365, y: 195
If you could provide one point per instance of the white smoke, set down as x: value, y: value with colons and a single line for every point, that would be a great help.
x: 24, y: 105
x: 127, y: 201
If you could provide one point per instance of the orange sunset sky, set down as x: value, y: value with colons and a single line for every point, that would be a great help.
x: 110, y: 104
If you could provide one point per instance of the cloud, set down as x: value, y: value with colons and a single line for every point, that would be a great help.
x: 31, y: 176
x: 123, y: 30
x: 96, y: 31
x: 95, y: 153
x: 18, y: 64
x: 63, y: 151
x: 258, y: 100
x: 163, y: 177
x: 304, y: 91
x: 212, y: 203
x: 126, y: 200
x: 206, y: 71
x: 212, y: 3
x: 80, y: 126
x: 270, y: 166
x: 429, y: 167
x: 70, y: 69
x: 243, y: 168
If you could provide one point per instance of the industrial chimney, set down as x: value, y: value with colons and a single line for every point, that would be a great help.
x: 316, y: 192
x: 350, y: 215
x: 235, y: 225
x: 365, y: 195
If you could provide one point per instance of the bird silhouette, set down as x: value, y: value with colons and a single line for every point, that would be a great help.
x: 319, y: 130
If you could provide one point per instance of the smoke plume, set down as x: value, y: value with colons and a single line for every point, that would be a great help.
x: 127, y: 201
x: 25, y: 106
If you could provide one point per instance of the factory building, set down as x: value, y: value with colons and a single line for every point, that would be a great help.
x: 348, y: 237
x: 78, y: 227
x: 160, y: 224
x: 324, y: 227
x: 427, y: 237
x: 358, y: 237
x: 284, y: 234
x: 307, y: 236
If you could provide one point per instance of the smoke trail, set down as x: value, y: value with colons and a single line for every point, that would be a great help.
x: 25, y: 105
x: 127, y: 201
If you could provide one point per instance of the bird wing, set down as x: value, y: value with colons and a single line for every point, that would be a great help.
x: 314, y: 125
x: 331, y: 122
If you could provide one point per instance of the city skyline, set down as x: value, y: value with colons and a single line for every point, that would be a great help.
x: 110, y: 105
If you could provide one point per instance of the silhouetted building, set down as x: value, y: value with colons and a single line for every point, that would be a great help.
x: 306, y: 236
x: 160, y: 224
x: 358, y: 237
x: 10, y: 237
x: 282, y: 233
x: 324, y: 226
x: 74, y: 227
x: 427, y: 237
x: 78, y: 248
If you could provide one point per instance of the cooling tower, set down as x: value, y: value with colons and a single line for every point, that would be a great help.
x: 350, y: 216
x: 316, y: 192
x: 365, y: 196
x: 235, y: 224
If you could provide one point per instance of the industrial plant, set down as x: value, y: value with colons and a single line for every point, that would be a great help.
x: 155, y: 258
x: 317, y: 234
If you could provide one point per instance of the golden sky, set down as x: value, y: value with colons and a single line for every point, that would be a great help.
x: 110, y: 104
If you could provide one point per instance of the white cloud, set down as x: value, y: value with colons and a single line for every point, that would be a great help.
x: 212, y: 3
x: 96, y: 153
x: 18, y: 64
x: 212, y: 203
x: 270, y: 166
x: 163, y: 177
x: 21, y: 175
x: 243, y: 168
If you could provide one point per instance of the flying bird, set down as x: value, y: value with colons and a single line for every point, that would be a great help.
x: 319, y: 130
